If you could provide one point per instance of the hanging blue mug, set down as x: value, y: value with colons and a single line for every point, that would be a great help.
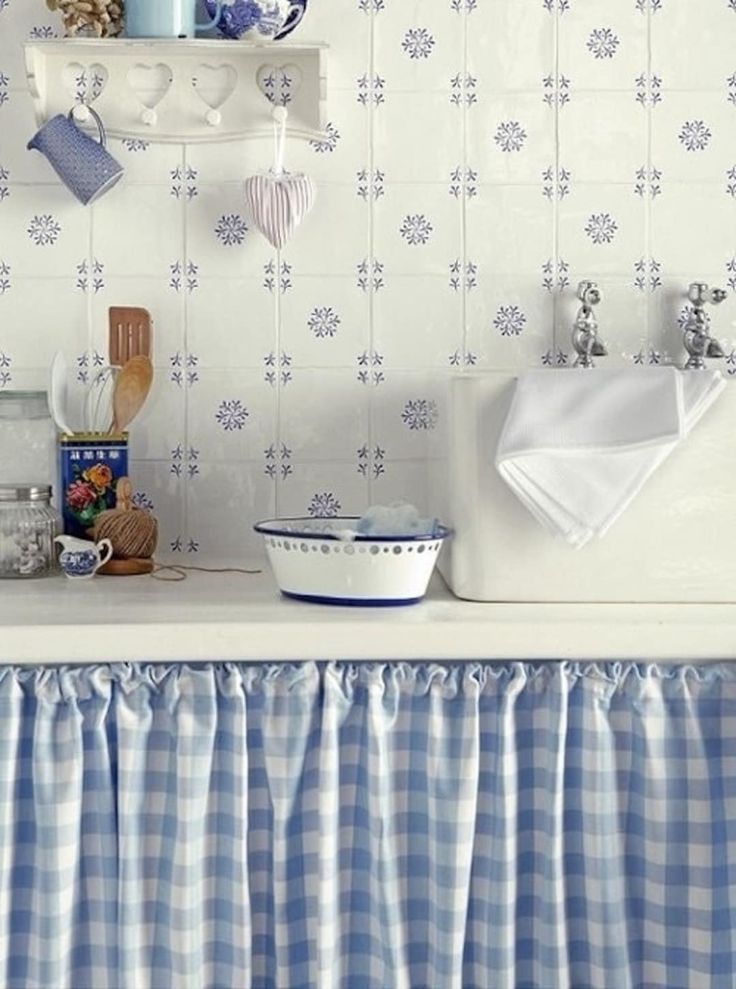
x: 166, y: 18
x: 84, y: 165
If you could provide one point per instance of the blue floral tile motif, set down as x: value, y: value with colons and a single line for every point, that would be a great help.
x: 509, y: 321
x: 42, y: 32
x: 274, y: 274
x: 324, y: 322
x: 4, y: 189
x: 647, y: 274
x: 560, y: 6
x: 731, y: 358
x: 601, y: 228
x: 555, y: 275
x: 463, y: 6
x: 277, y: 368
x: 602, y: 43
x: 88, y: 362
x: 371, y: 462
x: 418, y: 43
x: 142, y: 500
x: 416, y: 229
x: 184, y: 182
x: 279, y: 86
x: 648, y: 182
x: 695, y: 135
x: 90, y: 276
x: 232, y: 415
x: 731, y: 272
x: 5, y: 272
x: 370, y: 275
x: 370, y: 371
x: 462, y: 89
x: 183, y: 367
x: 420, y: 414
x: 556, y: 187
x: 177, y: 461
x: 328, y: 143
x: 556, y: 90
x: 135, y: 144
x: 324, y: 504
x: 371, y: 90
x: 463, y: 183
x: 184, y: 276
x: 651, y: 357
x: 370, y: 184
x: 88, y: 85
x: 6, y: 374
x: 278, y: 461
x: 231, y: 229
x: 731, y: 177
x: 462, y: 358
x: 654, y: 5
x: 368, y: 6
x: 510, y: 136
x: 648, y: 89
x: 4, y: 86
x: 44, y: 230
x: 463, y: 277
x: 554, y: 358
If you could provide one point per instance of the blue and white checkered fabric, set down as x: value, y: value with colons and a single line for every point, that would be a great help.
x: 386, y: 826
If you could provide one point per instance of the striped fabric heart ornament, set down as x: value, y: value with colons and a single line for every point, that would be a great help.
x: 278, y: 204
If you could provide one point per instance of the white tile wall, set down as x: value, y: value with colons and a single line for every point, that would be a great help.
x: 482, y: 157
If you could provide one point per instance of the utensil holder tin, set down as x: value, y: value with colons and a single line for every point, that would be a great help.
x: 90, y: 465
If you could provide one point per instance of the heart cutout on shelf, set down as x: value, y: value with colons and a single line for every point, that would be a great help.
x: 279, y: 83
x: 150, y: 83
x: 84, y: 83
x: 214, y: 84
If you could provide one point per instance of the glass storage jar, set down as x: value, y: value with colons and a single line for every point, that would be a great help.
x: 28, y: 527
x: 27, y: 438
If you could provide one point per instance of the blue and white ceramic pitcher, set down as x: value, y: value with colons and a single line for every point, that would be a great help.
x: 84, y: 165
x: 166, y: 18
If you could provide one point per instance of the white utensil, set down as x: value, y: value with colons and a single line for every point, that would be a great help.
x: 58, y: 393
x: 98, y: 400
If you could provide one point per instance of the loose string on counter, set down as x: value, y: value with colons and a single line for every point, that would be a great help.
x: 178, y: 571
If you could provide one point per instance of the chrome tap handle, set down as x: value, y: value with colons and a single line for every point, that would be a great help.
x: 585, y: 329
x: 698, y: 342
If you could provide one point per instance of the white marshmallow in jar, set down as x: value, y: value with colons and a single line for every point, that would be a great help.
x: 28, y: 527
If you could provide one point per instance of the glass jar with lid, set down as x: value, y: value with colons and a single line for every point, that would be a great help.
x: 28, y: 527
x: 27, y: 438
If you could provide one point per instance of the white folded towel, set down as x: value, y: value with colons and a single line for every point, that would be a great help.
x: 578, y: 445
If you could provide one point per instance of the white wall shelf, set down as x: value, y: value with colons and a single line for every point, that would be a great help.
x: 181, y: 91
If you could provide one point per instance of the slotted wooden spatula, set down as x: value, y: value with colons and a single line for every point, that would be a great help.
x: 130, y: 334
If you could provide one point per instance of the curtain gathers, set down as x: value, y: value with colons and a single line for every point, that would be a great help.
x: 378, y: 826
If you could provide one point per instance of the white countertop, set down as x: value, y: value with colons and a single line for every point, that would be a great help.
x: 241, y: 617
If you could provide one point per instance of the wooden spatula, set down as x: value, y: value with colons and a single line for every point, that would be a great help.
x: 130, y: 334
x: 131, y: 391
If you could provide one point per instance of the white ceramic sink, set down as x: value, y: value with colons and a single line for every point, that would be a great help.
x: 675, y: 543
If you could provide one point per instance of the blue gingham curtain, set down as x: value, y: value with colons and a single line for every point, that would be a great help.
x: 383, y: 826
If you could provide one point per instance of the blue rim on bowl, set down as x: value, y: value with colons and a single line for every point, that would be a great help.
x: 274, y: 527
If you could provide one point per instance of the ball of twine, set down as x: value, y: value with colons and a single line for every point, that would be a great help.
x: 132, y: 532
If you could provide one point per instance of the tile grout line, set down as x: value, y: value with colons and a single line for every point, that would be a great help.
x: 371, y: 246
x: 556, y: 291
x: 648, y: 322
x: 464, y: 208
x: 184, y: 337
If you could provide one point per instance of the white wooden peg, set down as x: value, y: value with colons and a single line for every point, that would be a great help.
x: 213, y: 118
x: 149, y: 117
x: 81, y: 113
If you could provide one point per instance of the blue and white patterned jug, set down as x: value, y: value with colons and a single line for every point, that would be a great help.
x: 84, y: 165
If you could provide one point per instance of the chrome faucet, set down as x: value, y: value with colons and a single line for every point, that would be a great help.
x: 585, y: 329
x: 699, y: 344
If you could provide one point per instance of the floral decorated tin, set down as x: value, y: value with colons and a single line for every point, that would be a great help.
x: 91, y: 464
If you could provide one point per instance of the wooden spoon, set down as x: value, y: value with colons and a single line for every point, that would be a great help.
x: 131, y: 391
